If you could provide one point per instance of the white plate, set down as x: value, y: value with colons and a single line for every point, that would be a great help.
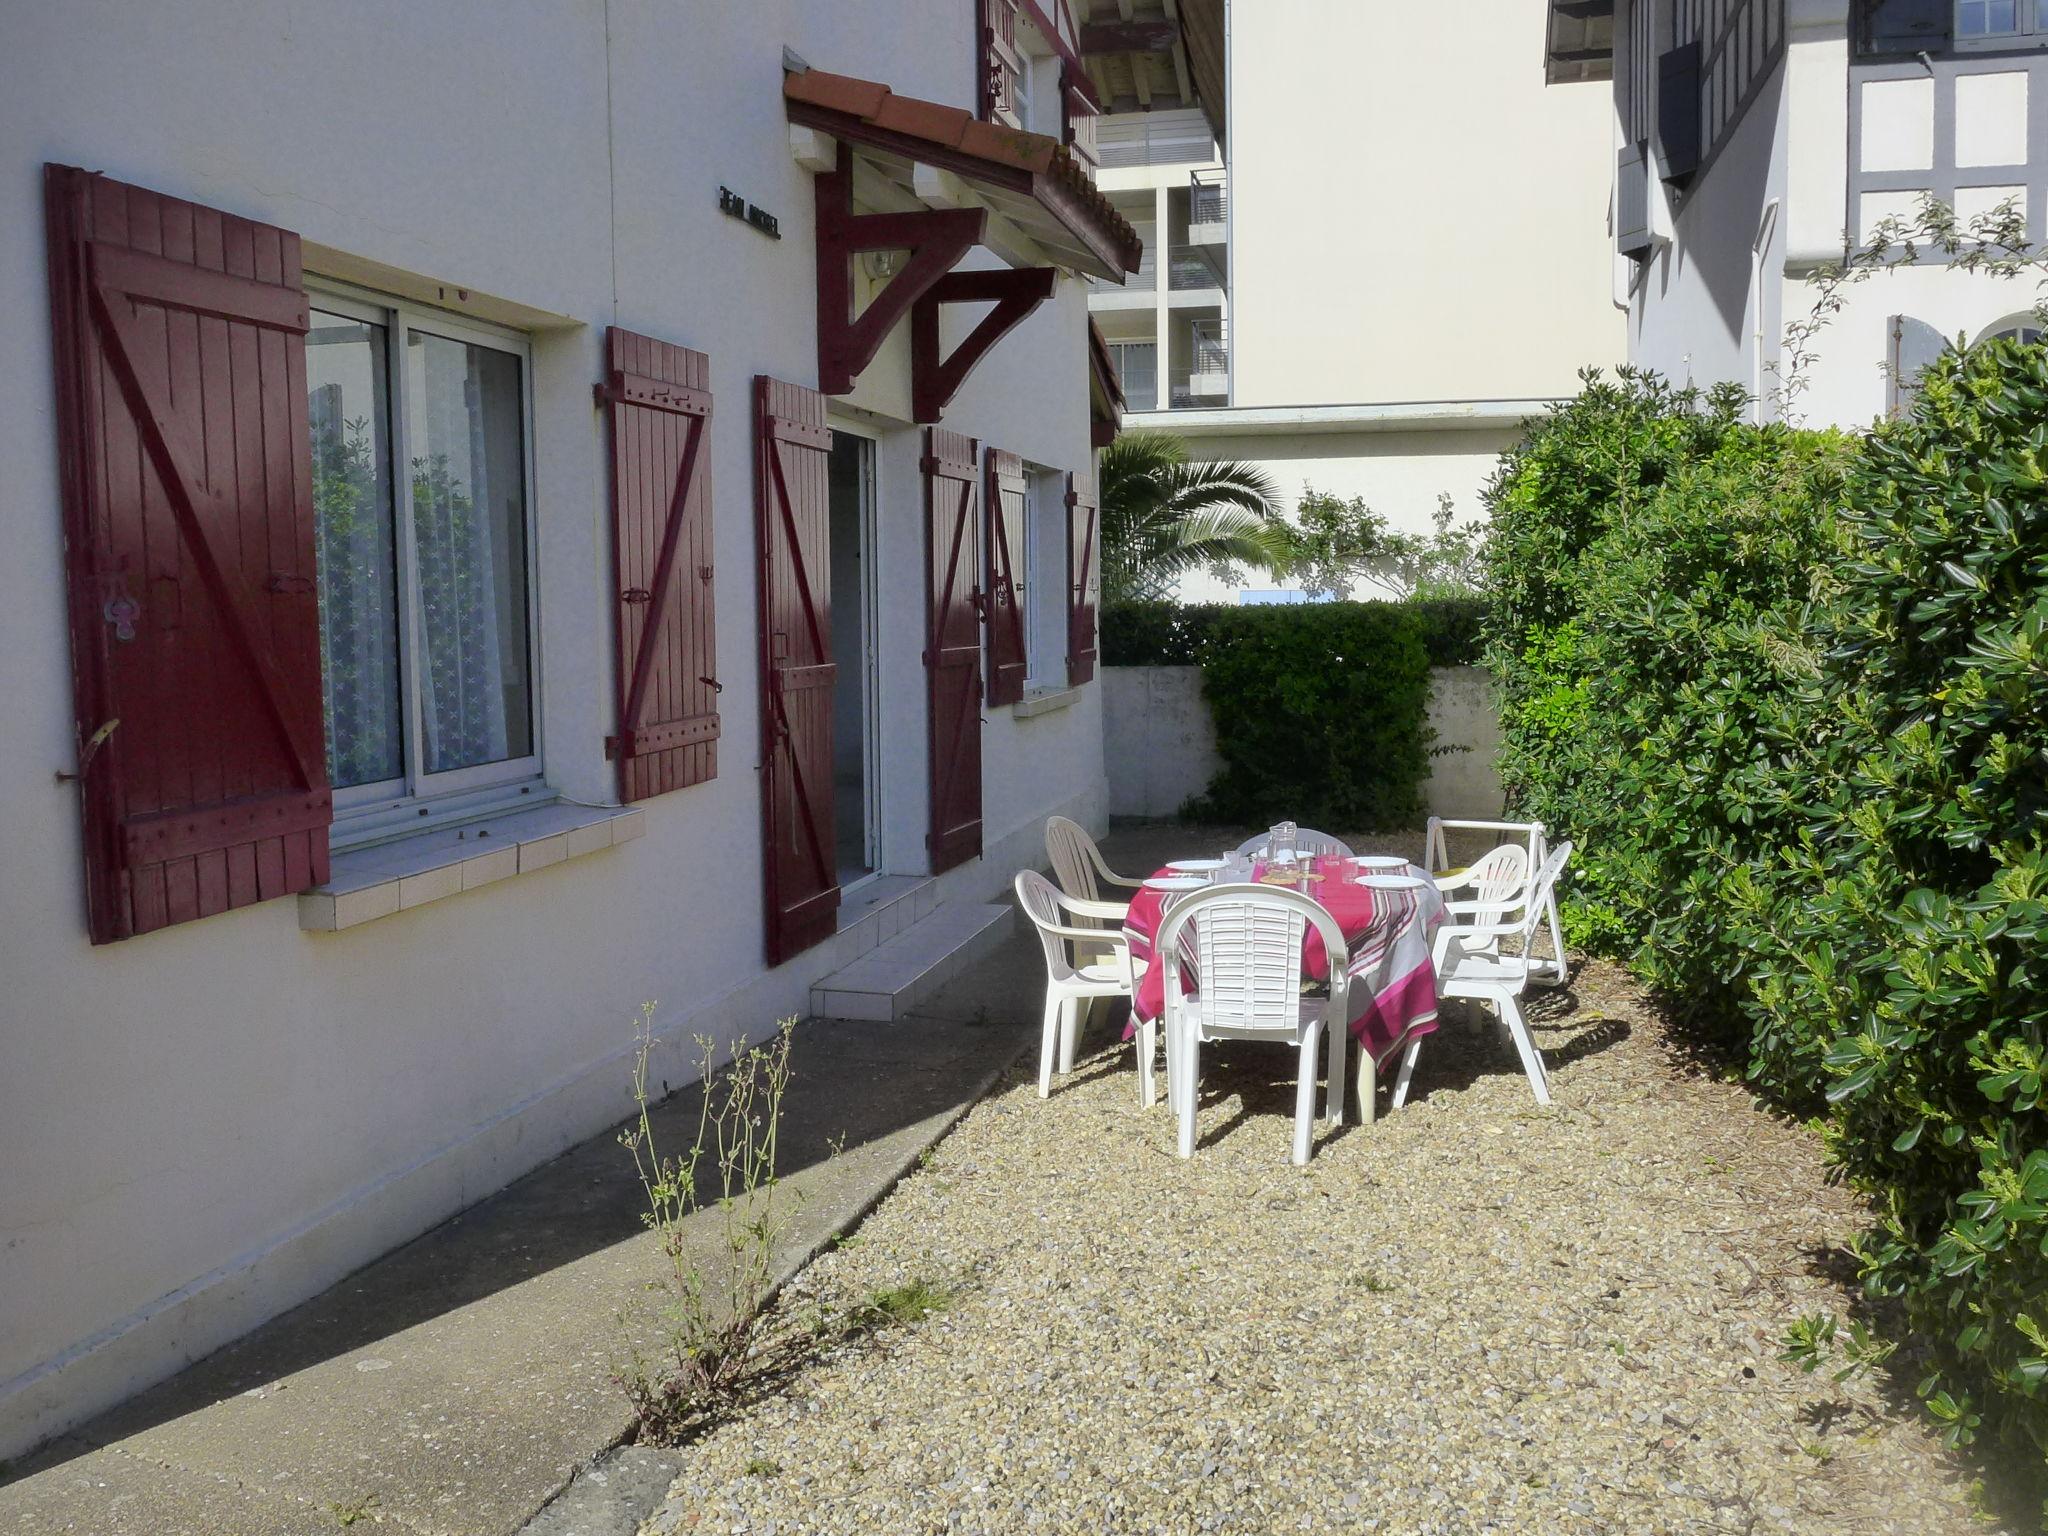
x: 1195, y: 866
x: 1176, y: 883
x: 1380, y: 861
x: 1392, y: 883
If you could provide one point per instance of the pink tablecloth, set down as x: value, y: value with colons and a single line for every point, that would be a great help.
x: 1388, y: 934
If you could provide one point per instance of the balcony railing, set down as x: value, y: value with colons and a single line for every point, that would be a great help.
x: 1209, y: 362
x: 1172, y: 137
x: 1188, y: 272
x: 1208, y: 198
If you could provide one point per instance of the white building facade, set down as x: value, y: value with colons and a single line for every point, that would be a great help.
x: 1759, y: 142
x: 1380, y: 254
x: 513, y: 513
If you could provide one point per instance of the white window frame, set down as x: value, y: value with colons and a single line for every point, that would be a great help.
x: 1045, y: 644
x: 870, y: 659
x: 2013, y: 327
x: 370, y: 812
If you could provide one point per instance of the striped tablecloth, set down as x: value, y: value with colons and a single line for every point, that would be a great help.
x: 1388, y: 935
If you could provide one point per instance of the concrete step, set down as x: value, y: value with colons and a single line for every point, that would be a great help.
x: 898, y: 974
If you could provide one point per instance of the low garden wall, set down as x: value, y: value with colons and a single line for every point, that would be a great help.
x: 1159, y: 745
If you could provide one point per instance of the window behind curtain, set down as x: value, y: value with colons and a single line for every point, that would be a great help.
x: 347, y: 384
x: 418, y: 446
x: 466, y: 434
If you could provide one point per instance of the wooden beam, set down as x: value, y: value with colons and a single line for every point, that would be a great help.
x: 1141, y: 77
x: 812, y: 150
x: 1015, y: 291
x: 1155, y: 36
x: 935, y: 240
x: 937, y: 188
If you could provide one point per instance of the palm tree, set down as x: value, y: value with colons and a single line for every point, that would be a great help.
x: 1163, y: 517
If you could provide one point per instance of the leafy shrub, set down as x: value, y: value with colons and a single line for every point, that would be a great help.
x: 1651, y: 552
x: 1171, y: 634
x: 1899, y: 962
x: 1789, y: 691
x: 1453, y: 629
x: 1320, y: 714
x: 1156, y: 634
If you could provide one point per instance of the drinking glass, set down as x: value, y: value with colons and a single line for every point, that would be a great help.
x: 1282, y: 843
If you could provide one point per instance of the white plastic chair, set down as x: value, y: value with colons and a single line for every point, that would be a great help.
x: 1470, y: 966
x: 1099, y: 965
x: 1247, y: 941
x: 1078, y: 865
x: 1498, y: 880
x: 1311, y: 843
x: 1436, y: 859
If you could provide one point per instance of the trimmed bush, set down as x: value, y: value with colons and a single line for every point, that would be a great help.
x: 1790, y: 693
x: 1320, y: 708
x: 1321, y: 714
x: 1154, y: 634
x: 1169, y: 634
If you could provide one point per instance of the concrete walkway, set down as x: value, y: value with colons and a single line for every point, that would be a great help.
x: 457, y: 1385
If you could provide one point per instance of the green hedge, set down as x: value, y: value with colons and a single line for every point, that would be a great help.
x: 1790, y: 693
x: 1170, y: 634
x: 1320, y: 708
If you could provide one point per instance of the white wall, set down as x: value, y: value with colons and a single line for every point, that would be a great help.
x: 1693, y: 315
x: 1164, y: 750
x: 1399, y: 475
x: 1736, y: 267
x: 1415, y: 216
x: 204, y: 1125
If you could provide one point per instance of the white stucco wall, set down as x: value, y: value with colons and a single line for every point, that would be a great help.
x: 1415, y: 216
x: 1693, y: 306
x: 204, y: 1125
x: 1398, y: 474
x: 1163, y: 751
x: 1734, y: 266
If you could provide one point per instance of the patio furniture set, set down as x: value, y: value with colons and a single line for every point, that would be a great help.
x: 1290, y: 938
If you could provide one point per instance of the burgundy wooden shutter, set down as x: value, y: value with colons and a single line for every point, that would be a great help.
x: 660, y: 407
x: 1084, y: 565
x: 180, y: 357
x: 797, y: 673
x: 1003, y: 497
x: 952, y: 657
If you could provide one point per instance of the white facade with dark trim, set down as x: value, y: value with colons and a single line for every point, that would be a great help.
x: 204, y: 1124
x: 1818, y: 120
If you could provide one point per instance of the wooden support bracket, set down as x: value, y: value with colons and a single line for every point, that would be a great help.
x: 935, y: 239
x: 1016, y: 291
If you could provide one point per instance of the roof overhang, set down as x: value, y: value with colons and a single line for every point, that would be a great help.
x: 1578, y: 41
x: 1145, y: 54
x: 937, y: 156
x: 1105, y: 389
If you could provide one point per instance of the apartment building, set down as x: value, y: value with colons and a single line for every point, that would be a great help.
x: 1757, y: 143
x: 1373, y: 250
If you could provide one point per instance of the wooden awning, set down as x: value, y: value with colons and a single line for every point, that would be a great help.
x: 1030, y: 180
x: 1105, y: 390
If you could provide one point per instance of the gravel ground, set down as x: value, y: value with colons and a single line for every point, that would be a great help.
x: 1471, y: 1316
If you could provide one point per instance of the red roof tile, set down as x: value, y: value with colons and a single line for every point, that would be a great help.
x: 1011, y: 149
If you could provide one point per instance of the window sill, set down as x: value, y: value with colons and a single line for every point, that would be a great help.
x: 368, y: 883
x: 1043, y: 701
